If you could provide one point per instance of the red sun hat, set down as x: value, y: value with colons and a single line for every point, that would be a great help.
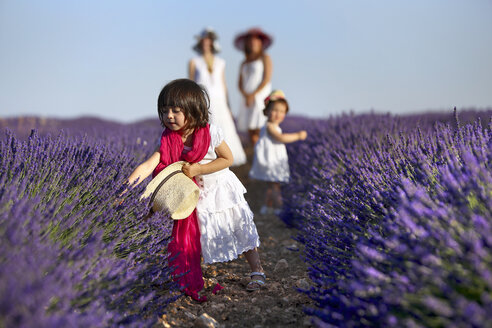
x: 266, y: 39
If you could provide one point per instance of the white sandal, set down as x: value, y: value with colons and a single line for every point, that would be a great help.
x: 255, y: 284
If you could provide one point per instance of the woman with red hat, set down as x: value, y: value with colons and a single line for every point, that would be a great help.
x: 255, y: 77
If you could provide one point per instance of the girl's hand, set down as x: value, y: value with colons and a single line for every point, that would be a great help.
x: 250, y: 99
x: 191, y: 170
x: 302, y: 135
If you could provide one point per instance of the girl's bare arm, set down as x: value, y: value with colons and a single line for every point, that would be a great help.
x: 240, y: 81
x: 267, y: 72
x: 145, y: 169
x: 285, y: 137
x: 191, y: 70
x: 224, y: 159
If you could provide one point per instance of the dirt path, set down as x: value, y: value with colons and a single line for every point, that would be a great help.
x: 278, y: 304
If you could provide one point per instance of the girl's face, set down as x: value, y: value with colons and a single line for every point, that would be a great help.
x: 277, y: 112
x: 254, y: 44
x: 175, y: 118
x: 207, y: 44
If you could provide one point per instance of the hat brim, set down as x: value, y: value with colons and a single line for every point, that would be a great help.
x: 215, y: 47
x: 207, y: 34
x: 266, y: 40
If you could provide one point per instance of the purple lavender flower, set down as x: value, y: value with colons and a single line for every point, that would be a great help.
x: 69, y: 256
x: 395, y: 216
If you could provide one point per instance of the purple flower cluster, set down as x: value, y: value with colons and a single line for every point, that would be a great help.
x: 395, y: 215
x: 73, y: 251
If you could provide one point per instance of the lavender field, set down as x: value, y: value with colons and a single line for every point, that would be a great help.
x: 394, y: 213
x: 73, y: 253
x: 396, y: 217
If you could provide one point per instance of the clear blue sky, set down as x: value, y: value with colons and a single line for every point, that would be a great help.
x: 110, y: 58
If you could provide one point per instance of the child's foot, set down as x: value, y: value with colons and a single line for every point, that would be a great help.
x: 257, y: 280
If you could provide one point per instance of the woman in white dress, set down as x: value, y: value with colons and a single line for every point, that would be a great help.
x: 254, y: 80
x: 208, y: 70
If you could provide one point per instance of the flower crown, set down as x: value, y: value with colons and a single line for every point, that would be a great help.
x: 274, y: 95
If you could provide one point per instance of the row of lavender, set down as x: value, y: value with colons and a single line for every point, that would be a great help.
x: 396, y: 217
x: 72, y: 252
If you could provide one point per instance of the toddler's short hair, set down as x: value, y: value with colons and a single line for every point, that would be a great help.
x: 190, y: 97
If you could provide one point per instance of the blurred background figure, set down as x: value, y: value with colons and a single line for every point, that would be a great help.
x: 271, y: 162
x: 255, y: 77
x: 208, y: 70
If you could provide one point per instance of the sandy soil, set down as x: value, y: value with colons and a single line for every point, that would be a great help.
x: 277, y: 304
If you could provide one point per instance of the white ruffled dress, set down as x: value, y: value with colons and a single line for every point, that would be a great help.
x: 270, y: 161
x: 226, y: 221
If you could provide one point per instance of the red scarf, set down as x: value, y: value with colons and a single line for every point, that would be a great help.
x: 185, y: 248
x: 172, y: 146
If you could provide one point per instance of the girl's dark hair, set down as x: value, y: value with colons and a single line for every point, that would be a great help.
x: 270, y: 105
x: 190, y: 97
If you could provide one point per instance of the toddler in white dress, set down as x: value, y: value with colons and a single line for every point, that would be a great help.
x: 270, y: 162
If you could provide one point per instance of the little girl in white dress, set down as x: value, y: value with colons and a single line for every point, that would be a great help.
x: 270, y: 162
x: 226, y: 221
x: 222, y: 217
x: 225, y: 218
